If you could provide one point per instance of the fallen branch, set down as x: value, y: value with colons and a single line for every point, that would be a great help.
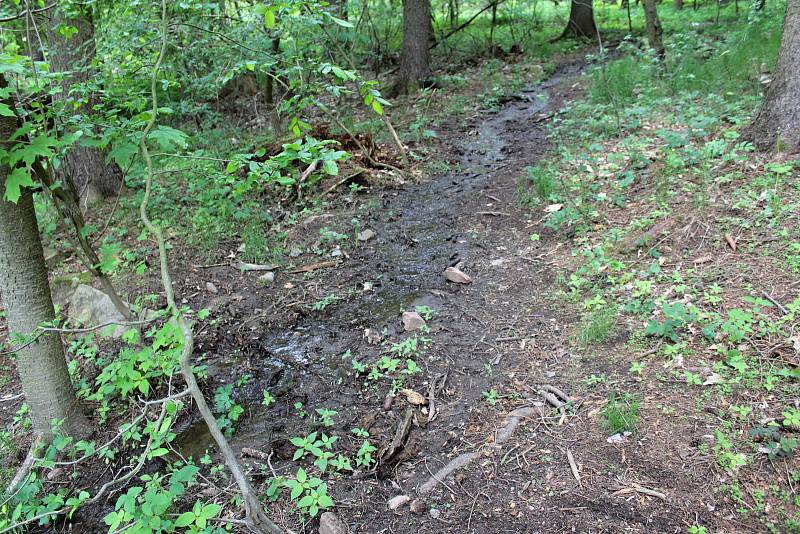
x: 314, y: 266
x: 335, y: 186
x: 456, y: 463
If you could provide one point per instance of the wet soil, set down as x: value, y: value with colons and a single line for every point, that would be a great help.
x: 504, y: 332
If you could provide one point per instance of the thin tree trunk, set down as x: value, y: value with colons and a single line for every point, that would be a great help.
x: 653, y: 26
x: 452, y: 13
x: 82, y: 167
x: 415, y: 56
x: 678, y: 5
x: 26, y: 294
x: 581, y: 21
x: 777, y: 125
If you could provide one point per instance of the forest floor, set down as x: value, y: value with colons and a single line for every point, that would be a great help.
x: 486, y: 354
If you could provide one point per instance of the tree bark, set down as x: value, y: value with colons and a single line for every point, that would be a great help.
x: 83, y: 167
x: 26, y: 295
x: 777, y: 124
x: 653, y: 27
x: 581, y: 21
x: 678, y: 5
x: 415, y: 56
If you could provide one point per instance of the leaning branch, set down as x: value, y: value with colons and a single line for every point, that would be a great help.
x: 257, y: 519
x: 467, y: 23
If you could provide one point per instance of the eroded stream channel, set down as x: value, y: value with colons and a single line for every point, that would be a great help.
x: 469, y: 217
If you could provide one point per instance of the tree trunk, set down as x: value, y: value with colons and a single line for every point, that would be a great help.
x: 26, y: 294
x: 581, y: 21
x: 678, y: 5
x: 82, y: 167
x: 653, y: 26
x: 415, y: 56
x: 777, y: 125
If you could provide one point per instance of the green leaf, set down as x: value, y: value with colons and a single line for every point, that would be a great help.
x: 210, y: 510
x: 296, y: 491
x: 169, y: 138
x: 185, y: 519
x: 301, y: 476
x: 330, y: 167
x: 342, y: 23
x: 122, y: 153
x: 269, y: 19
x: 306, y: 501
x: 18, y: 178
x: 5, y: 110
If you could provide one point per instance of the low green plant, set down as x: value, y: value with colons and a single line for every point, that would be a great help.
x: 491, y: 396
x: 598, y: 326
x: 621, y: 414
x: 310, y: 494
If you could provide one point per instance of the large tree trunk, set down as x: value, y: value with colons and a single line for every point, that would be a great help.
x: 581, y: 21
x: 415, y: 56
x: 26, y: 294
x: 653, y: 26
x: 82, y: 167
x: 777, y: 125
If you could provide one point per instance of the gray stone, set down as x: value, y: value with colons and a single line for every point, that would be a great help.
x: 62, y: 287
x: 329, y: 523
x: 211, y: 288
x: 412, y: 321
x: 418, y: 506
x: 366, y: 235
x: 266, y: 278
x: 90, y: 307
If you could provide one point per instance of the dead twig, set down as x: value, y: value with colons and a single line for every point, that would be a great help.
x: 573, y: 466
x: 314, y: 267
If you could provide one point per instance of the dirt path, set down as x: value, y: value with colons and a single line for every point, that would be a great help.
x: 501, y: 333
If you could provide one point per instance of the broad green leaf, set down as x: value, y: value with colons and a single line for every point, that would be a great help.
x: 18, y: 179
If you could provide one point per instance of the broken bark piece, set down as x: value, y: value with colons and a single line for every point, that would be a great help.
x: 398, y: 501
x: 417, y: 399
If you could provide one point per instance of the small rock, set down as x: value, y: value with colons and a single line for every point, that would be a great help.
x: 211, y: 288
x: 552, y: 208
x: 372, y: 336
x: 329, y: 523
x: 455, y: 275
x: 366, y: 235
x: 618, y: 438
x: 335, y: 253
x: 497, y: 263
x: 54, y: 473
x: 398, y: 501
x: 387, y: 402
x: 412, y: 321
x: 435, y: 514
x: 91, y: 307
x: 295, y: 252
x: 266, y: 278
x: 418, y: 506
